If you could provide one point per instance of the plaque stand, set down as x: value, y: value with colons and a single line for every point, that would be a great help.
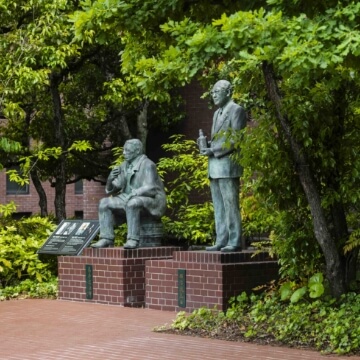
x: 71, y: 237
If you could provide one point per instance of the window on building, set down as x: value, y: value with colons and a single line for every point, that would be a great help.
x: 12, y: 187
x: 79, y: 187
x: 21, y: 215
x: 79, y: 214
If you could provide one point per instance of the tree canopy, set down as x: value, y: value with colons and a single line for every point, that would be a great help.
x: 294, y: 66
x: 61, y: 97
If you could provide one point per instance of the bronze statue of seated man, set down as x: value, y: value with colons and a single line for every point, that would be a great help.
x: 135, y: 188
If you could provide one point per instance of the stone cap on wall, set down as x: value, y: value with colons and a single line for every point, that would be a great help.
x: 219, y: 257
x: 120, y: 252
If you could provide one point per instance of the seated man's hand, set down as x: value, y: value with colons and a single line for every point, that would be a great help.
x: 114, y: 173
x: 126, y: 197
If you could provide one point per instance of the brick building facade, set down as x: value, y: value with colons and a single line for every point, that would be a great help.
x: 84, y: 204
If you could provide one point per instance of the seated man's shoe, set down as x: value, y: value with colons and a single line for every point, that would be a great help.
x: 214, y: 247
x: 230, y: 248
x: 103, y: 243
x: 131, y: 244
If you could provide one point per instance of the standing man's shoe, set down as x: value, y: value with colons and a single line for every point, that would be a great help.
x: 103, y: 243
x: 131, y: 244
x: 214, y: 248
x: 230, y: 248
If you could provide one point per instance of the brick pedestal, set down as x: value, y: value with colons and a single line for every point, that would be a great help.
x: 117, y: 276
x: 212, y: 278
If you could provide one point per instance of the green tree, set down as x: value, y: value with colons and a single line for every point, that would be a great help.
x: 298, y: 73
x: 61, y: 97
x: 295, y: 66
x: 35, y: 46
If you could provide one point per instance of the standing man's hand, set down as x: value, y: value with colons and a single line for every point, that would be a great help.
x: 206, y: 152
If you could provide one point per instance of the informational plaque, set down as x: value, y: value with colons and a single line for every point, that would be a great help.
x: 182, y: 288
x: 89, y: 281
x: 70, y: 237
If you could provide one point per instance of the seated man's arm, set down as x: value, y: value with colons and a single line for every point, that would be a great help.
x: 150, y: 182
x: 116, y: 181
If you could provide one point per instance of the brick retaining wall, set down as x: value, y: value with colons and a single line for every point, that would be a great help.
x: 211, y: 278
x: 149, y: 277
x: 118, y: 275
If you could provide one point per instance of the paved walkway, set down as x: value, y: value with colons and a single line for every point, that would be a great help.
x: 55, y: 329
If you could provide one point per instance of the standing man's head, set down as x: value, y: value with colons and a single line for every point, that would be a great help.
x: 132, y: 149
x: 221, y: 93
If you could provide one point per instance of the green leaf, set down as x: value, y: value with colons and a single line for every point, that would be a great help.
x: 7, y: 263
x: 286, y: 291
x: 316, y: 290
x: 318, y: 278
x: 315, y: 284
x: 298, y: 294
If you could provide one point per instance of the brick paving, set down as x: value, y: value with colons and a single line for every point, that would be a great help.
x: 65, y: 330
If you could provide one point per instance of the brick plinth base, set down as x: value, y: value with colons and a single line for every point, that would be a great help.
x: 118, y: 275
x: 211, y: 278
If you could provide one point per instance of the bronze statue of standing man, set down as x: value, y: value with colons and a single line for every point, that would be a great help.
x: 223, y: 172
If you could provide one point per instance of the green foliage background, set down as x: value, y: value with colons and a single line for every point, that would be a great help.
x: 19, y: 242
x: 185, y: 175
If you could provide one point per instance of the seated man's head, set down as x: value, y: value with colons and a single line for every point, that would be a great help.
x: 132, y: 149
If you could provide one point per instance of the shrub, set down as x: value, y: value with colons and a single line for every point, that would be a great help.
x: 31, y: 289
x: 326, y: 324
x: 19, y: 242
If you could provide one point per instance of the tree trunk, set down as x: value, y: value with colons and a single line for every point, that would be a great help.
x: 33, y: 172
x: 41, y: 192
x: 142, y: 129
x: 334, y: 267
x: 351, y: 264
x: 339, y: 221
x: 60, y: 176
x: 60, y: 193
x: 124, y: 128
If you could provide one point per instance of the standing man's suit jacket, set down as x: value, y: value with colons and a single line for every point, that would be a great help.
x: 230, y: 117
